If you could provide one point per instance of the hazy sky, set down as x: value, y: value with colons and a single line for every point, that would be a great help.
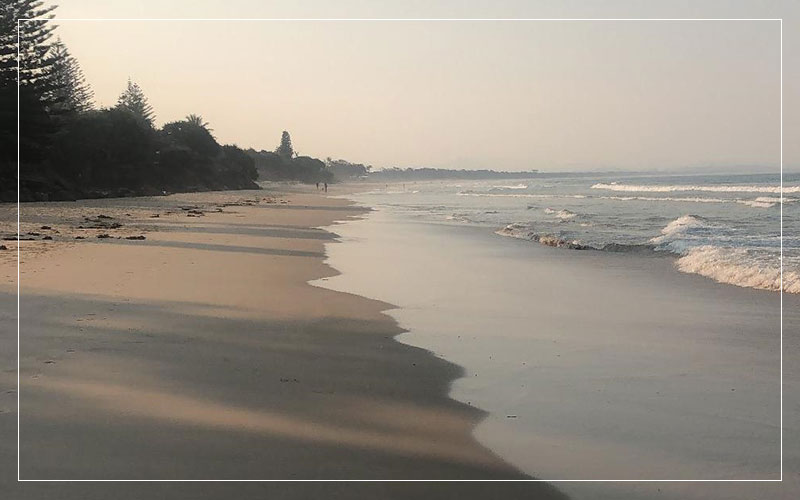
x: 547, y: 95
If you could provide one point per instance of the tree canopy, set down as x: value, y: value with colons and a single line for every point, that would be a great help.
x: 285, y: 149
x: 70, y: 149
x: 133, y: 100
x: 70, y: 92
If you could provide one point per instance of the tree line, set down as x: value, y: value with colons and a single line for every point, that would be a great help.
x: 70, y: 148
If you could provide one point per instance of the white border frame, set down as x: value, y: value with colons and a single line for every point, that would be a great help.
x: 54, y: 20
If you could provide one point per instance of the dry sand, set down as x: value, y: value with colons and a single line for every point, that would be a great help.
x: 202, y: 352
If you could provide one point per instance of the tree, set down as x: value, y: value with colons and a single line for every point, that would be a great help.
x: 190, y: 135
x: 344, y: 170
x: 197, y: 121
x: 105, y: 148
x: 71, y: 93
x: 133, y: 100
x: 32, y: 44
x: 285, y: 150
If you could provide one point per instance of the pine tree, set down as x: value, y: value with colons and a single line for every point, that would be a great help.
x: 71, y: 93
x: 33, y: 43
x: 285, y: 150
x: 35, y: 85
x: 134, y: 100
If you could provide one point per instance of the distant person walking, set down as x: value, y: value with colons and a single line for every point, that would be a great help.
x: 318, y: 186
x: 326, y: 187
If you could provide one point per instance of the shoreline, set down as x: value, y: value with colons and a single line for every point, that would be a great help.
x: 686, y: 337
x: 149, y: 356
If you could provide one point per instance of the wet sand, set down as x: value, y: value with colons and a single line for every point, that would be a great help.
x: 593, y: 365
x: 201, y: 352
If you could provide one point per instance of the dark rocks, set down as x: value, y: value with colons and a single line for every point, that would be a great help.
x: 3, y: 247
x: 103, y: 236
x: 140, y: 237
x: 100, y: 222
x: 47, y: 238
x: 45, y: 227
x: 80, y: 238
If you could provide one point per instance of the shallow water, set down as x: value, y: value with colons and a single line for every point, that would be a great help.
x: 592, y: 365
x: 725, y: 227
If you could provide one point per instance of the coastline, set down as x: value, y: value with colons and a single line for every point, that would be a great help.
x: 558, y: 322
x: 202, y: 352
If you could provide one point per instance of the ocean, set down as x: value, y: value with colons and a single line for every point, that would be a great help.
x: 612, y: 327
x: 724, y: 227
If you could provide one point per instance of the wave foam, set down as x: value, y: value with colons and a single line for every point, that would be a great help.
x: 561, y: 214
x: 681, y: 227
x: 524, y: 232
x: 517, y: 195
x: 760, y: 202
x: 732, y: 265
x: 710, y: 189
x: 735, y: 266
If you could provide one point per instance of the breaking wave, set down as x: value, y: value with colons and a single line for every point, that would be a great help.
x: 674, y: 235
x: 686, y: 238
x: 745, y: 267
x: 524, y: 231
x: 561, y: 214
x: 520, y: 195
x: 736, y: 266
x: 645, y: 188
x: 760, y: 202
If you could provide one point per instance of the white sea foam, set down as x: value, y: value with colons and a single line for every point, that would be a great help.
x: 561, y: 214
x: 525, y: 232
x: 732, y: 265
x: 673, y: 233
x: 388, y: 191
x: 736, y: 266
x: 520, y: 195
x: 760, y: 202
x: 652, y: 188
x: 515, y: 186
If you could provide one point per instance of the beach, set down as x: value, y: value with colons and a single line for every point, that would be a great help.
x: 284, y: 334
x: 201, y: 352
x: 592, y: 365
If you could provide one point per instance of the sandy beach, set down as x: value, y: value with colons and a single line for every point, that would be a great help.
x: 201, y: 352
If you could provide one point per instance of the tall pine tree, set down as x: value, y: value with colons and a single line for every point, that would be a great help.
x: 71, y: 93
x: 285, y: 150
x: 35, y: 85
x: 133, y: 99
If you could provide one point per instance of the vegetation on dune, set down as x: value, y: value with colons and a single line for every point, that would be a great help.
x: 343, y: 170
x: 285, y: 164
x: 69, y: 149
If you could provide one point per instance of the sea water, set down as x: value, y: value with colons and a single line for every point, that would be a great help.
x: 596, y: 353
x: 724, y: 227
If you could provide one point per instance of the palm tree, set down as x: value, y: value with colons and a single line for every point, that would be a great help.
x: 198, y: 121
